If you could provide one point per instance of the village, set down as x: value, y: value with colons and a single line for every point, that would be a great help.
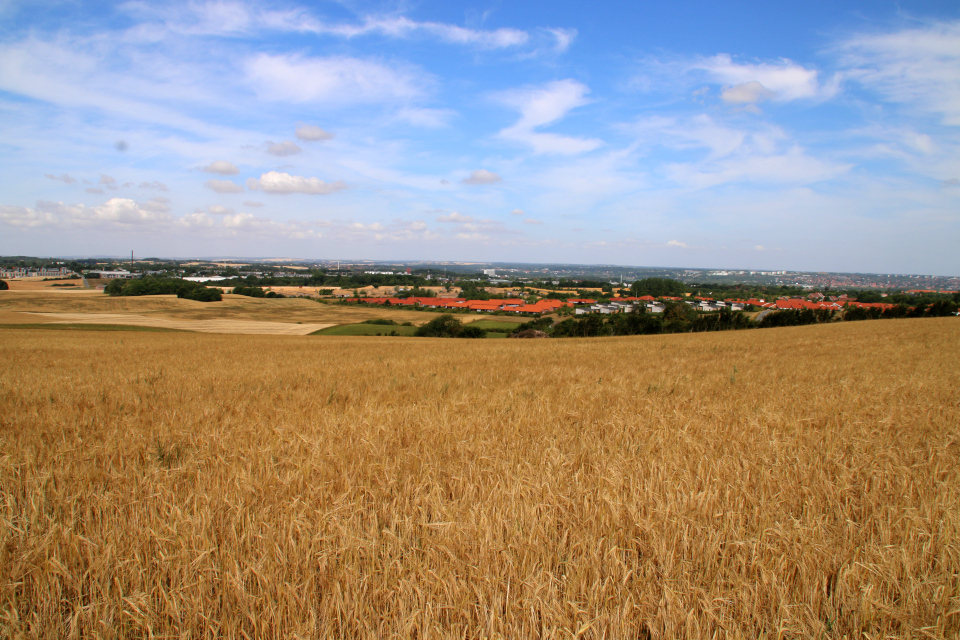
x: 618, y: 304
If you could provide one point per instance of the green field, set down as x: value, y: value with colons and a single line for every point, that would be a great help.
x: 496, y: 325
x: 363, y: 329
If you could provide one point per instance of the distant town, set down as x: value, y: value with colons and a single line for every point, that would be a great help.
x: 491, y: 274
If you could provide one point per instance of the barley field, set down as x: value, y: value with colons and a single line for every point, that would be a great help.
x: 784, y: 483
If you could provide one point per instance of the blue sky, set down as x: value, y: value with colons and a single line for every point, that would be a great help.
x: 791, y: 135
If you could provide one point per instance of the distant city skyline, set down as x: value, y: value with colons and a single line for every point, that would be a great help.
x: 800, y: 136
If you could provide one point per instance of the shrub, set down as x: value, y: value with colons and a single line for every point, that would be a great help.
x: 446, y: 326
x: 252, y: 292
x: 379, y: 321
x: 3, y: 285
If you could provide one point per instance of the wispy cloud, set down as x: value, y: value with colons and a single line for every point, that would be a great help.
x: 544, y: 105
x: 223, y: 186
x: 749, y: 83
x: 340, y: 80
x: 918, y: 68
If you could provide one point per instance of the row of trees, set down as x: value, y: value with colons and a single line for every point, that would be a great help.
x: 679, y: 317
x: 159, y: 286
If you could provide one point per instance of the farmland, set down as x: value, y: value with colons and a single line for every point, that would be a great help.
x: 785, y: 483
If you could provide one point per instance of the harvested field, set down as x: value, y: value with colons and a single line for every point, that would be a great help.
x: 246, y: 327
x: 171, y: 308
x: 43, y: 284
x: 783, y: 483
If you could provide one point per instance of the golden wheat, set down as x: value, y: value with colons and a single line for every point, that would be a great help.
x: 789, y: 483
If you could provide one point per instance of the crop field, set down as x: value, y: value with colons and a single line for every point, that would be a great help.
x: 169, y: 311
x: 784, y: 483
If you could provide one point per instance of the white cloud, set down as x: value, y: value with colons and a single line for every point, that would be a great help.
x: 25, y: 217
x: 532, y: 221
x: 455, y: 217
x: 427, y: 118
x: 252, y: 203
x: 156, y: 184
x: 482, y: 176
x: 746, y: 93
x: 107, y: 180
x: 404, y: 27
x: 332, y: 80
x: 225, y: 18
x: 94, y: 190
x: 222, y: 167
x: 313, y: 133
x: 122, y: 213
x: 156, y: 205
x: 285, y: 148
x: 542, y: 106
x: 750, y: 83
x: 517, y: 212
x: 917, y: 67
x: 677, y: 243
x: 281, y: 183
x: 62, y: 177
x: 219, y: 210
x: 223, y: 186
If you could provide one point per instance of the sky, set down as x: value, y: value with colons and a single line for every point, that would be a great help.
x: 802, y: 135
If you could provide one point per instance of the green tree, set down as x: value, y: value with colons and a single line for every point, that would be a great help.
x: 657, y: 287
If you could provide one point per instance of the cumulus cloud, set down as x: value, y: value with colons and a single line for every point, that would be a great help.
x: 122, y: 213
x: 24, y: 217
x: 455, y: 217
x: 222, y: 167
x: 542, y: 106
x: 281, y: 183
x: 223, y: 186
x: 313, y: 133
x: 481, y: 176
x: 62, y: 178
x: 94, y: 190
x: 517, y: 212
x: 677, y: 243
x: 751, y: 83
x: 332, y: 80
x: 156, y: 205
x: 285, y: 148
x: 105, y: 179
x: 219, y: 210
x: 252, y: 203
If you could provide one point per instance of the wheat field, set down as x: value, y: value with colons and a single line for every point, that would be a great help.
x: 783, y: 483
